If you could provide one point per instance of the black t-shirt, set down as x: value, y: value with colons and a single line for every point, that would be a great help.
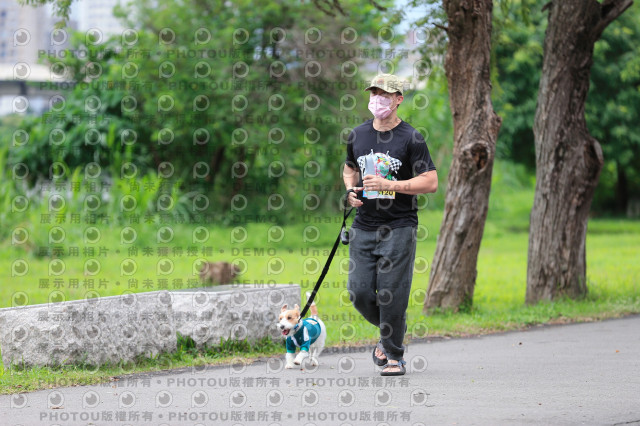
x: 398, y: 154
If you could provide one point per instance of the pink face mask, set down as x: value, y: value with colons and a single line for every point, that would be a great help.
x: 379, y: 106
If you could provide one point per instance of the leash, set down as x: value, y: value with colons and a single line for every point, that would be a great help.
x: 344, y: 237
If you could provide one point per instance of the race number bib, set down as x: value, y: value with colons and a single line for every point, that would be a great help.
x: 380, y: 194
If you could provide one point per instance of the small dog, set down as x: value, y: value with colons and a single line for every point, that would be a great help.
x: 308, y: 334
x: 219, y: 272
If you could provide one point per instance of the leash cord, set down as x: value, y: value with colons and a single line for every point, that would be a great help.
x: 345, y: 215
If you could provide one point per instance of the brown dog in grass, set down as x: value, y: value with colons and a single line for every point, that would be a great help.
x: 218, y: 272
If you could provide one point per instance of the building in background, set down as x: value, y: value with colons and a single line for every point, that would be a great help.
x: 27, y: 37
x: 98, y: 14
x: 24, y: 30
x: 25, y: 34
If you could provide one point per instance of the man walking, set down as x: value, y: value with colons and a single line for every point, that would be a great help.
x: 387, y: 165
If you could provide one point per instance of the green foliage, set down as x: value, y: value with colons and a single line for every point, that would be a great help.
x: 227, y: 347
x: 228, y: 88
x: 85, y: 200
x: 434, y: 122
x: 517, y: 64
x: 434, y: 20
x: 613, y: 108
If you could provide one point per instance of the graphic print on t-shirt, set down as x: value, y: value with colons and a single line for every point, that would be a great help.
x: 381, y: 165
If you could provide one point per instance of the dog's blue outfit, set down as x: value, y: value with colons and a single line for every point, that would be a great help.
x: 306, y: 335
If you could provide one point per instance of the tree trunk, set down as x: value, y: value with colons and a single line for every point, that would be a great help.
x: 568, y: 158
x: 475, y: 128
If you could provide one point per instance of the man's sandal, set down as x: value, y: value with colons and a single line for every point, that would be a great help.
x: 400, y: 366
x: 379, y: 361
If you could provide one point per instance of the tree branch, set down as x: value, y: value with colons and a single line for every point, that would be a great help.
x: 377, y: 6
x: 445, y: 29
x: 609, y: 11
x: 336, y: 4
x: 323, y: 10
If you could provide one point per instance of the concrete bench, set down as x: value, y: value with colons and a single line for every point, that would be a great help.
x: 122, y: 328
x: 233, y: 311
x: 92, y: 331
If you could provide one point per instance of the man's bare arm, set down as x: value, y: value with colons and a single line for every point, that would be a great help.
x: 422, y: 184
x: 350, y: 177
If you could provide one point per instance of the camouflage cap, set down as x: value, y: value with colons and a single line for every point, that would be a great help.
x: 389, y: 83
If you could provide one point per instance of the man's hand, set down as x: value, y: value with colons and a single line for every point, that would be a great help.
x: 352, y: 197
x: 376, y: 183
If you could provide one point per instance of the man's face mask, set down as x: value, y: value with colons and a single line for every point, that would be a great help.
x: 380, y: 106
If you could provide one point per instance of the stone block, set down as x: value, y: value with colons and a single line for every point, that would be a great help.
x: 236, y: 311
x: 92, y: 331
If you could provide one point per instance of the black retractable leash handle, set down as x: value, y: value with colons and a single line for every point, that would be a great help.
x: 344, y: 238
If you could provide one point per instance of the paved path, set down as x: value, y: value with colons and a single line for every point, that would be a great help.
x: 573, y: 374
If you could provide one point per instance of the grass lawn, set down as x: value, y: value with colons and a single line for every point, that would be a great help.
x: 292, y: 254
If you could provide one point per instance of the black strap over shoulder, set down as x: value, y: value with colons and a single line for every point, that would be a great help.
x: 345, y: 215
